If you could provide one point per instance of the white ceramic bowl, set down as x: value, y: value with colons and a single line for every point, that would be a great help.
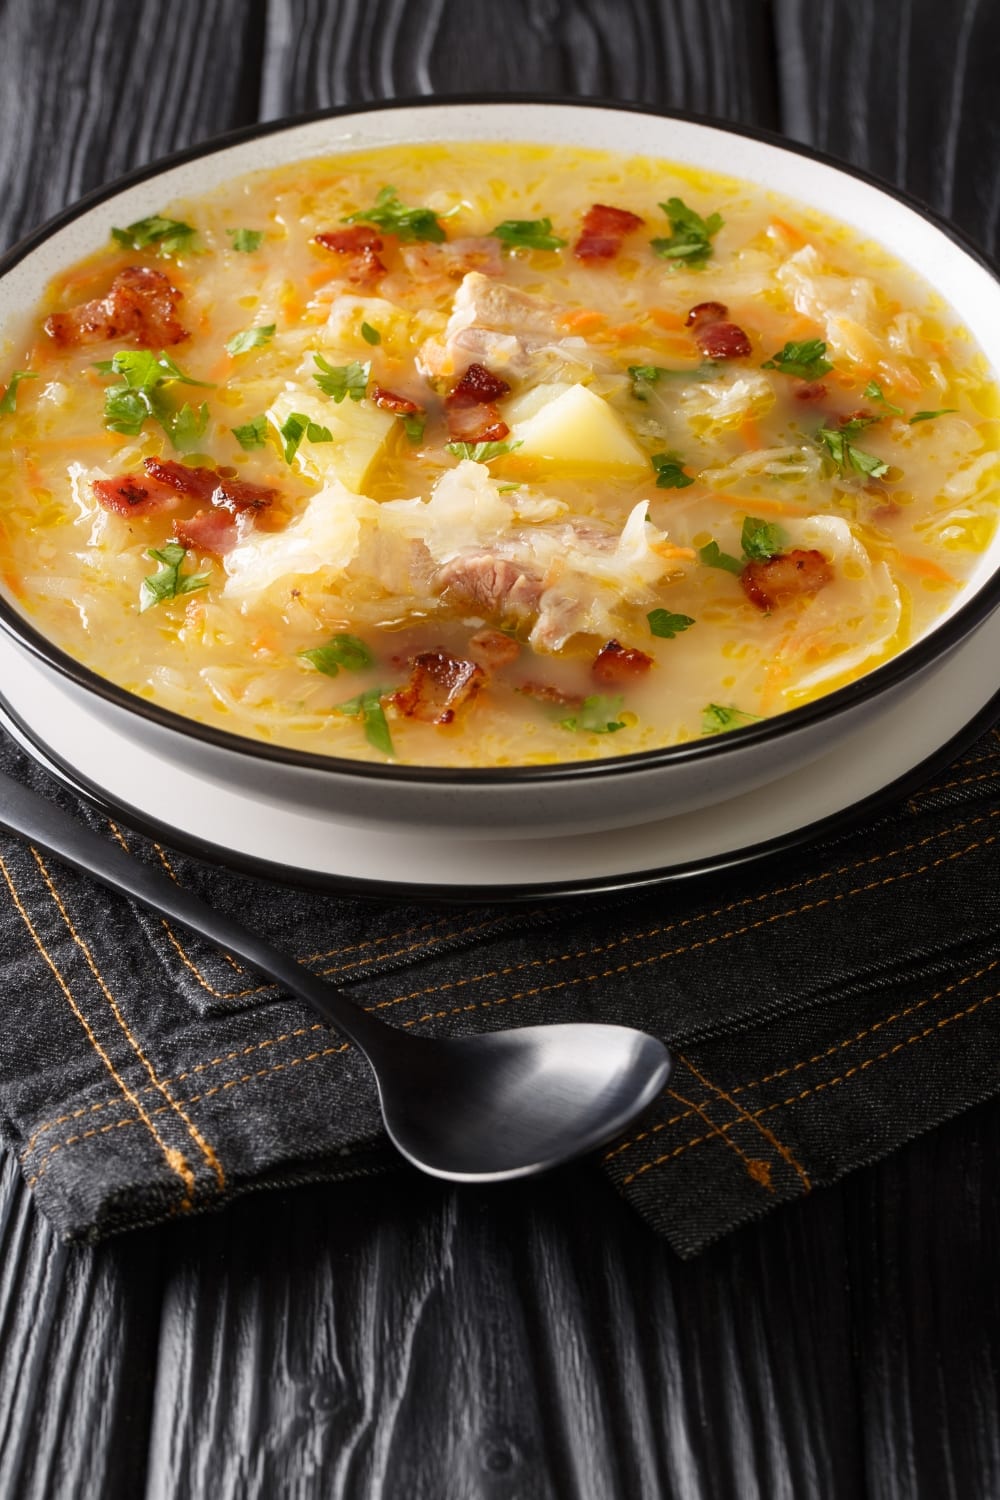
x: 578, y: 797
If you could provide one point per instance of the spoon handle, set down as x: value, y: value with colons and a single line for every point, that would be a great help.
x: 45, y: 824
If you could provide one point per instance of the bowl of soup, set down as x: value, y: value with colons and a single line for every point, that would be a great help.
x: 503, y: 466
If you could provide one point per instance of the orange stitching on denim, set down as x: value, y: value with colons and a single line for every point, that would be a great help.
x: 946, y: 786
x: 165, y: 862
x: 204, y: 1146
x: 175, y: 1159
x: 828, y: 1083
x: 768, y: 1135
x: 758, y: 1171
x: 754, y: 1083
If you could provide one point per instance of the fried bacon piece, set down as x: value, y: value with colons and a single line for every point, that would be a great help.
x: 785, y: 577
x: 469, y: 406
x: 546, y: 692
x: 218, y: 489
x: 603, y: 230
x: 140, y: 304
x: 214, y: 531
x: 390, y: 401
x: 715, y: 337
x: 493, y: 650
x: 359, y: 247
x: 131, y: 495
x: 616, y: 665
x: 438, y: 686
x: 810, y: 390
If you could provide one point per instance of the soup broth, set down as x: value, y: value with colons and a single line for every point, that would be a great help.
x: 491, y: 455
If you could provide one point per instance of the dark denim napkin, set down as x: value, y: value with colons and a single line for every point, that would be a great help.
x: 823, y: 1007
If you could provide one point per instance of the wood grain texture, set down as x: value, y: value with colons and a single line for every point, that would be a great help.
x: 398, y: 1338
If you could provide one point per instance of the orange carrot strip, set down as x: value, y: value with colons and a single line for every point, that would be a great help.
x: 923, y: 567
x: 583, y: 320
x: 667, y: 318
x: 754, y: 505
x: 788, y: 232
x: 750, y: 433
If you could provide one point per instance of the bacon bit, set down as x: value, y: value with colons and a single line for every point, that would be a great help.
x: 472, y: 416
x: 544, y: 692
x: 390, y: 401
x: 140, y: 304
x: 786, y: 576
x: 359, y: 246
x: 810, y: 390
x: 212, y: 531
x: 722, y: 341
x: 234, y: 495
x: 439, y: 685
x: 706, y: 312
x: 603, y: 230
x: 616, y: 665
x: 130, y: 495
x: 493, y: 649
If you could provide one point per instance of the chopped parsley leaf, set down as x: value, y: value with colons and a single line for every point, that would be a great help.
x: 170, y: 236
x: 761, y: 539
x: 345, y: 651
x: 414, y: 423
x: 690, y: 242
x: 643, y: 376
x: 597, y: 715
x: 670, y: 473
x: 370, y: 335
x: 339, y: 381
x: 168, y: 581
x: 481, y: 453
x: 246, y: 240
x: 846, y: 456
x: 720, y: 718
x: 252, y: 434
x: 250, y: 338
x: 806, y: 360
x: 407, y: 224
x: 368, y: 707
x: 874, y: 393
x: 928, y: 416
x: 713, y: 557
x: 665, y: 625
x: 528, y: 234
x: 187, y: 427
x: 141, y: 395
x: 8, y: 402
x: 298, y: 426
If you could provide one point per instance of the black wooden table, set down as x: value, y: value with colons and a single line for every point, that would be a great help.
x: 401, y: 1339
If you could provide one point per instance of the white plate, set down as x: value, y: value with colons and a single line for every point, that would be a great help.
x: 224, y: 824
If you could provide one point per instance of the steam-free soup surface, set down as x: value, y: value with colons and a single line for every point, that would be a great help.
x: 491, y: 456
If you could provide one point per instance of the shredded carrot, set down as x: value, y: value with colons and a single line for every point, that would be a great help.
x: 754, y: 505
x: 624, y: 333
x: 221, y: 370
x: 583, y: 320
x: 750, y: 433
x: 85, y: 440
x: 788, y: 232
x: 667, y: 318
x: 922, y: 567
x: 320, y: 277
x: 292, y: 306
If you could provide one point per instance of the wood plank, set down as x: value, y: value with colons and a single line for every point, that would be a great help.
x: 906, y: 91
x: 713, y: 56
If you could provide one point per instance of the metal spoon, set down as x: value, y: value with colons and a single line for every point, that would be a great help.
x: 473, y: 1108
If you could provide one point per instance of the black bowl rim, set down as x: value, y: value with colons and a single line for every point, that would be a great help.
x: 907, y: 664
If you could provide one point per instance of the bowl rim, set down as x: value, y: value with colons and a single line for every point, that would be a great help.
x: 908, y: 663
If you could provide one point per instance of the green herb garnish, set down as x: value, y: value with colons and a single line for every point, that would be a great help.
x: 719, y: 718
x: 597, y: 716
x: 665, y: 625
x: 481, y: 453
x: 250, y: 338
x: 713, y: 557
x: 339, y: 381
x: 874, y: 393
x: 368, y: 707
x: 845, y: 454
x: 252, y: 434
x: 246, y: 240
x: 407, y: 224
x: 690, y: 242
x: 141, y: 394
x: 168, y: 581
x: 8, y: 403
x: 670, y: 473
x: 643, y: 376
x: 528, y: 234
x: 806, y: 360
x: 761, y: 539
x: 928, y: 416
x: 370, y: 335
x: 414, y: 423
x: 345, y: 651
x: 298, y: 426
x: 170, y: 236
